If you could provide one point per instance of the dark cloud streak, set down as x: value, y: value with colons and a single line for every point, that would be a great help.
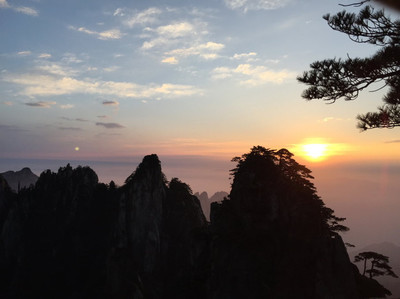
x: 12, y: 128
x: 110, y: 103
x: 69, y: 128
x: 40, y: 104
x: 76, y: 119
x: 110, y: 125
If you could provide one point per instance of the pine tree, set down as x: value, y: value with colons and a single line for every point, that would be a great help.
x: 379, y: 264
x: 332, y: 79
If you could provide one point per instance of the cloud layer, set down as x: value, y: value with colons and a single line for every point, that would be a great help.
x: 50, y: 85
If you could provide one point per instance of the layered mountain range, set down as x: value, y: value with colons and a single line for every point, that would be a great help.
x: 69, y: 236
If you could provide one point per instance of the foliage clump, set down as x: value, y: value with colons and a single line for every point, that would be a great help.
x: 332, y: 79
x: 271, y: 169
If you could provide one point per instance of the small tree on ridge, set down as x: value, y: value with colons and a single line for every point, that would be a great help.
x: 379, y: 264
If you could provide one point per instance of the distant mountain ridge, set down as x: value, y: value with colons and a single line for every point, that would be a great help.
x: 20, y: 179
x: 206, y: 201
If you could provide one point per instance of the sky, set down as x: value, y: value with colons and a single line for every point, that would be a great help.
x: 196, y: 82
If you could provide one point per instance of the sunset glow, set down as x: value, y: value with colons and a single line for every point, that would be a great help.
x: 315, y: 151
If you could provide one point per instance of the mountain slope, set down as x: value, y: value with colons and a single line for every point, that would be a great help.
x: 20, y: 179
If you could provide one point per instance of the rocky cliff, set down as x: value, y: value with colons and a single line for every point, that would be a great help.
x: 206, y: 201
x: 159, y: 237
x: 71, y: 237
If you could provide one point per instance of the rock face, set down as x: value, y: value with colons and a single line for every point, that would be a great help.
x: 159, y: 238
x: 71, y: 237
x: 20, y: 179
x: 205, y: 201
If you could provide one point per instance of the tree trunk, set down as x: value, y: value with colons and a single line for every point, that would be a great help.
x: 365, y: 266
x: 372, y: 268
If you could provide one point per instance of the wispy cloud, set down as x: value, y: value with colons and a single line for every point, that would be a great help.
x: 251, y: 56
x: 101, y: 116
x: 7, y: 103
x: 111, y: 69
x: 40, y: 104
x: 170, y: 60
x: 119, y: 12
x: 329, y: 118
x: 67, y: 106
x: 175, y: 30
x: 174, y: 38
x: 251, y: 75
x: 44, y: 55
x: 393, y: 141
x: 21, y: 9
x: 142, y: 18
x: 24, y: 53
x: 207, y: 51
x: 70, y: 58
x: 27, y: 10
x: 56, y: 69
x: 51, y: 85
x: 168, y: 33
x: 103, y: 35
x: 111, y: 103
x: 110, y: 125
x: 222, y: 72
x: 333, y: 119
x: 273, y: 61
x: 246, y: 5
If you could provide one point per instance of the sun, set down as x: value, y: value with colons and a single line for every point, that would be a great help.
x: 318, y: 149
x: 315, y: 151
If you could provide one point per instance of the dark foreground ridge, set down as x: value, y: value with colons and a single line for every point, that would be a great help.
x: 70, y: 236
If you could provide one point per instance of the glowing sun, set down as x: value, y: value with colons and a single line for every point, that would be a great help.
x: 315, y: 151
